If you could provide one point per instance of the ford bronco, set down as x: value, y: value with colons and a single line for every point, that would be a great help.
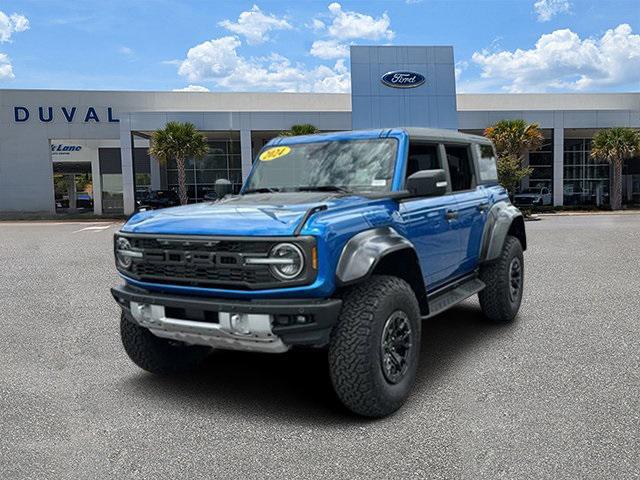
x: 343, y: 241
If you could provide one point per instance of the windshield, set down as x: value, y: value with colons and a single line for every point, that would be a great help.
x: 352, y: 165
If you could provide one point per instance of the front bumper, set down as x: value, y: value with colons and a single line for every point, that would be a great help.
x: 254, y: 325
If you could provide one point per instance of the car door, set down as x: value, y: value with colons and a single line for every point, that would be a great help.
x: 472, y: 205
x: 427, y: 221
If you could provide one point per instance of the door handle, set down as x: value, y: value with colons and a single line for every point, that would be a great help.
x: 451, y: 214
x: 483, y: 206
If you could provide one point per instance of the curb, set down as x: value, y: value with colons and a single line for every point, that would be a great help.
x: 577, y: 214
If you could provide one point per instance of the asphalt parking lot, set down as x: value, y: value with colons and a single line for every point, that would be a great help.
x: 554, y: 395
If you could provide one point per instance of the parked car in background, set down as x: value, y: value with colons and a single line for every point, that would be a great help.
x: 537, y: 197
x: 155, y: 199
x: 84, y: 201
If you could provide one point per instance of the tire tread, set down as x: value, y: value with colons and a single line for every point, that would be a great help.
x: 351, y: 343
x: 494, y: 299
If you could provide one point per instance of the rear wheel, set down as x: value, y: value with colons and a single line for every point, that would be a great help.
x: 374, y: 349
x: 504, y: 278
x: 158, y: 355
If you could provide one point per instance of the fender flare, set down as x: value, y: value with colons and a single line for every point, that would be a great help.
x: 499, y: 221
x: 364, y: 250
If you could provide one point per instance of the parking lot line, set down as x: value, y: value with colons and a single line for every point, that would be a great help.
x: 94, y: 228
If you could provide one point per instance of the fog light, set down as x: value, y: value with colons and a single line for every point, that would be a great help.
x: 240, y: 324
x: 282, y: 319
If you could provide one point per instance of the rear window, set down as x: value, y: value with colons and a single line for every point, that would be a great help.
x: 487, y: 164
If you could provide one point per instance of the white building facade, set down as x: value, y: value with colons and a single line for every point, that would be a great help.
x: 86, y: 151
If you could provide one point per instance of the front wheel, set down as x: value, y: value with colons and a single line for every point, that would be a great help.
x: 375, y: 346
x: 158, y: 355
x: 504, y: 278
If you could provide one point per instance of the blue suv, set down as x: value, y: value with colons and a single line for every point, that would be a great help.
x: 343, y: 241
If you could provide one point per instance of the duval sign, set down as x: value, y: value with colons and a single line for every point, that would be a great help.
x: 68, y: 114
x: 402, y: 79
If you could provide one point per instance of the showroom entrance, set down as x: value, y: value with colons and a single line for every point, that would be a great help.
x: 87, y: 177
x: 73, y: 187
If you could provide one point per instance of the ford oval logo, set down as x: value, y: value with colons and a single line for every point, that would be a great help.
x: 402, y: 79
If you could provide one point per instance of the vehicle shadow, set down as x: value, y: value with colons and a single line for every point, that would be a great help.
x: 296, y: 386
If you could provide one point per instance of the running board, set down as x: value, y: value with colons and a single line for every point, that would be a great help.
x: 448, y: 296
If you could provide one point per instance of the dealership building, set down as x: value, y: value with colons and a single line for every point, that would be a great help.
x: 86, y: 151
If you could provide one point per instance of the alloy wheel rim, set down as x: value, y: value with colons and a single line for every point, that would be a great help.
x: 395, y: 347
x: 515, y: 279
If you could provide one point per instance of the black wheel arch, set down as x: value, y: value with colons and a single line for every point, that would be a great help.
x: 382, y: 251
x: 504, y: 219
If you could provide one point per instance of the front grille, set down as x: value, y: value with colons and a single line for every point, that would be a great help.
x: 206, y: 261
x: 200, y: 245
x: 186, y: 273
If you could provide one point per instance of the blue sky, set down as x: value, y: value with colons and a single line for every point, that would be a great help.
x: 500, y: 46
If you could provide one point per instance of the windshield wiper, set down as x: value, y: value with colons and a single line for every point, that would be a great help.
x: 261, y: 190
x: 322, y: 188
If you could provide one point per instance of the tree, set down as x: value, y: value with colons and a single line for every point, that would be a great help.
x: 513, y: 139
x: 302, y: 129
x: 178, y: 141
x: 615, y: 145
x: 511, y: 172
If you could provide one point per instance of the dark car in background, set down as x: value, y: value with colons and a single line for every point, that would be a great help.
x: 156, y: 199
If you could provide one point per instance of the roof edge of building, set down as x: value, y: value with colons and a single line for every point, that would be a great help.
x: 548, y: 101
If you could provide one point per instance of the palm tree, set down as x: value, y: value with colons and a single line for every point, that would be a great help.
x: 178, y: 141
x: 302, y: 129
x: 513, y: 139
x: 615, y: 145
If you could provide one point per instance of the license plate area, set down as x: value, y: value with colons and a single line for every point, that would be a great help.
x: 195, y: 315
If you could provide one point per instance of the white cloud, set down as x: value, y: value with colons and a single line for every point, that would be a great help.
x: 211, y: 59
x: 192, y: 88
x: 561, y: 60
x: 348, y: 25
x: 126, y: 51
x: 10, y: 24
x: 218, y: 61
x: 547, y: 9
x: 254, y: 25
x: 329, y: 49
x: 317, y: 25
x: 344, y: 26
x: 6, y: 70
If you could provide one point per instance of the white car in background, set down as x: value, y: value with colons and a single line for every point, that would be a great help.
x: 536, y: 196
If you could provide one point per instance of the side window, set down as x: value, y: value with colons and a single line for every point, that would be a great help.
x: 460, y: 167
x: 487, y: 164
x: 422, y: 156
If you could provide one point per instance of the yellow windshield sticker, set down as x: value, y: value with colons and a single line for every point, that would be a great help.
x: 273, y: 153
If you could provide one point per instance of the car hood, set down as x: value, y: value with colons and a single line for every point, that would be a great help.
x: 256, y: 214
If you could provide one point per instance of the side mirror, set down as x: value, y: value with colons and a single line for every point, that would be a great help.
x: 427, y: 183
x: 222, y: 187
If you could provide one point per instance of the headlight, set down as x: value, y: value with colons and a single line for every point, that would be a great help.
x: 124, y: 254
x: 287, y: 261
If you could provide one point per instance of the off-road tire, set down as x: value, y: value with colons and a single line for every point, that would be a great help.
x: 158, y: 355
x: 355, y: 348
x: 496, y: 301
